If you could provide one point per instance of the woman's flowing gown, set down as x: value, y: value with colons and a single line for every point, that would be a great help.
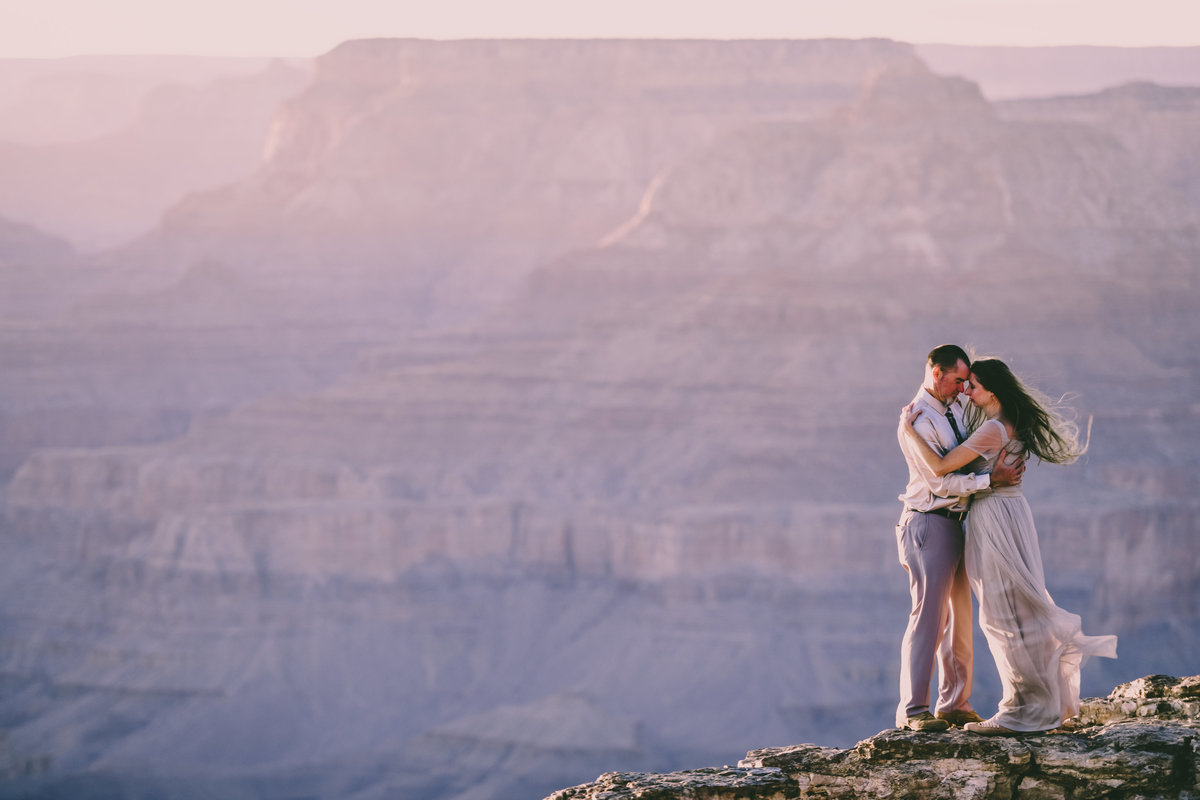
x: 1039, y: 648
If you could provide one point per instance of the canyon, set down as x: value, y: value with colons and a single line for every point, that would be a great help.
x: 529, y: 413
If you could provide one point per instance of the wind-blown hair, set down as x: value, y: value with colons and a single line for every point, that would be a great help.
x: 1036, y: 422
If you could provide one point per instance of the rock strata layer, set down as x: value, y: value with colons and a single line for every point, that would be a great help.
x: 1142, y: 741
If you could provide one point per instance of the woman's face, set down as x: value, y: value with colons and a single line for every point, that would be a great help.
x: 980, y: 397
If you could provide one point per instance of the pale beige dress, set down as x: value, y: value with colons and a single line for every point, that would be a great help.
x: 1039, y: 647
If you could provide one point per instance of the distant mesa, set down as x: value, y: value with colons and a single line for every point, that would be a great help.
x: 910, y: 91
x: 1007, y: 73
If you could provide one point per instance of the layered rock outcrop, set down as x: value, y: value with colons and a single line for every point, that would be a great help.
x: 1139, y: 742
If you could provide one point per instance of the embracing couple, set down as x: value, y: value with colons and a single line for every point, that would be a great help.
x: 966, y: 527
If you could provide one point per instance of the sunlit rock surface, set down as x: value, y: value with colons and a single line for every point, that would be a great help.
x: 1146, y: 749
x: 432, y: 176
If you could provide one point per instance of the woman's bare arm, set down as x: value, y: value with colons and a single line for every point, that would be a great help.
x: 941, y: 465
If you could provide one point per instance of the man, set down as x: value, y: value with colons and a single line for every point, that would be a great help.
x: 930, y: 543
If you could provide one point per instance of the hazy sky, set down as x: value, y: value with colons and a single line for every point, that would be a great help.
x: 49, y: 28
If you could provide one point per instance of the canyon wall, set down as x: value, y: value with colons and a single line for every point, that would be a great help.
x: 527, y: 383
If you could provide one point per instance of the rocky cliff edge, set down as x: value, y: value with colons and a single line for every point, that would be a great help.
x: 1142, y: 741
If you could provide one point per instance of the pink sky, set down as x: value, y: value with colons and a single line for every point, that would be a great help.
x: 52, y: 28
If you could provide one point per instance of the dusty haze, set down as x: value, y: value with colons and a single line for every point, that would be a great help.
x: 465, y: 419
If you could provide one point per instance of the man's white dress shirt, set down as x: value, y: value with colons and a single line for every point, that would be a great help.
x: 925, y: 490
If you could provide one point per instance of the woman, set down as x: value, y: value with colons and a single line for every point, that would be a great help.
x: 1038, y: 646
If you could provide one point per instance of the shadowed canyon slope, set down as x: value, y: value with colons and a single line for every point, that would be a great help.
x: 647, y: 480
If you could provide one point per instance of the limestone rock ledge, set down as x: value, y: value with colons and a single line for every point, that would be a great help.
x: 1142, y: 741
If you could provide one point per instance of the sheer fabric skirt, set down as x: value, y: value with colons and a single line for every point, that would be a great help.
x: 1038, y: 647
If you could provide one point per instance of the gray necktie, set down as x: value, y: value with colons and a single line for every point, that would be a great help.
x: 954, y: 425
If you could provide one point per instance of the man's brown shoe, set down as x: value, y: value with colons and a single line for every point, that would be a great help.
x: 959, y: 718
x: 926, y: 722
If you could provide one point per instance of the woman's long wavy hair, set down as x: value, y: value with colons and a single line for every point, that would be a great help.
x: 1037, y: 423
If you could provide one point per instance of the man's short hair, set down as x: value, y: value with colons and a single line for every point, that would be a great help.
x: 947, y: 356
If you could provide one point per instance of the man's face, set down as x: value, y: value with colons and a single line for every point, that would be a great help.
x: 947, y: 383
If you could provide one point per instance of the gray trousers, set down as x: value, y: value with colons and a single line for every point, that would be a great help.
x: 939, y: 627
